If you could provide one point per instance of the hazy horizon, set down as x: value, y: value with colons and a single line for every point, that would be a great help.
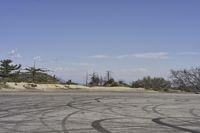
x: 130, y: 38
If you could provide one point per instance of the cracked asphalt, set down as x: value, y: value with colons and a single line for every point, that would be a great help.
x: 99, y: 112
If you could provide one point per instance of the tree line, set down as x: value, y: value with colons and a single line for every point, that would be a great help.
x: 107, y: 80
x: 10, y: 72
x: 184, y: 80
x: 187, y: 80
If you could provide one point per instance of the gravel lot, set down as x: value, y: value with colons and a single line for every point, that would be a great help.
x: 98, y: 112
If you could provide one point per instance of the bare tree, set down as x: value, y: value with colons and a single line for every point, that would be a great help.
x: 33, y: 71
x: 187, y: 79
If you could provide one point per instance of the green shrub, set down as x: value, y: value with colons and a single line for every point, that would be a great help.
x: 114, y: 84
x: 33, y: 85
x: 30, y: 86
x: 156, y: 83
x: 166, y: 90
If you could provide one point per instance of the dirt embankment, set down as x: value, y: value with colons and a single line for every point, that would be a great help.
x: 11, y: 86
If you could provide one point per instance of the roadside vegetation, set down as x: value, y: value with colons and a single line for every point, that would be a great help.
x: 180, y: 80
x: 155, y: 83
x: 10, y: 72
x: 187, y: 80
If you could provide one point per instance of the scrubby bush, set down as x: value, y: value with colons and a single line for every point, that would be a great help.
x: 110, y: 82
x: 3, y: 85
x: 70, y: 82
x: 114, y: 84
x: 156, y: 83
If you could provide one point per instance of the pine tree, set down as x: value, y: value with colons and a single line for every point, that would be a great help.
x: 7, y: 69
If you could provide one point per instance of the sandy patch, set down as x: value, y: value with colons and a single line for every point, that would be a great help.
x: 11, y: 86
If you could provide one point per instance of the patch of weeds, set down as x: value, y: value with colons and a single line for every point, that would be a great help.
x: 166, y: 90
x: 30, y: 86
x: 33, y: 85
x: 3, y: 85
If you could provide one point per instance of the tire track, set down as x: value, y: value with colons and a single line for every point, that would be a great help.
x: 97, y: 125
x: 193, y: 113
x: 155, y: 109
x: 64, y: 128
x: 158, y: 121
x: 144, y: 108
x: 95, y: 113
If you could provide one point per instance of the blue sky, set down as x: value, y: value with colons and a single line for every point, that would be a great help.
x: 132, y: 38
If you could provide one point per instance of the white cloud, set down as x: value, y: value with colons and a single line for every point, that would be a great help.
x: 142, y: 70
x: 134, y: 71
x: 131, y: 74
x: 63, y: 69
x: 84, y: 64
x: 14, y: 54
x: 189, y: 53
x: 156, y: 55
x: 37, y: 58
x: 150, y: 55
x: 99, y: 56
